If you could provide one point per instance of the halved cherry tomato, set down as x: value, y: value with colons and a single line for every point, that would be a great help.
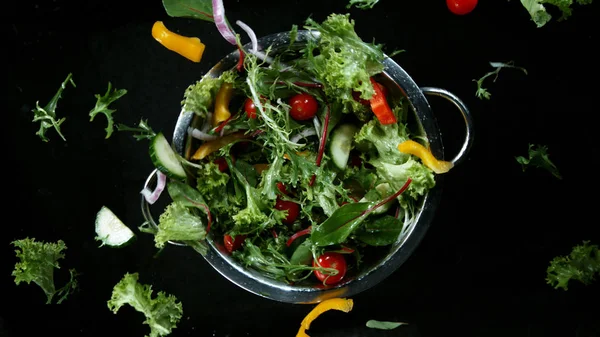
x: 291, y: 207
x: 330, y: 260
x: 232, y: 244
x: 461, y: 7
x: 303, y: 106
x: 250, y: 108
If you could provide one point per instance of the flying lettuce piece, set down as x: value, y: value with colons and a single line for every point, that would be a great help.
x: 582, y: 264
x: 38, y: 260
x: 162, y: 312
x: 539, y: 14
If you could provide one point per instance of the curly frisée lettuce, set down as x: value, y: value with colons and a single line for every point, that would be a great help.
x: 582, y: 264
x: 162, y: 312
x: 344, y: 62
x: 38, y: 260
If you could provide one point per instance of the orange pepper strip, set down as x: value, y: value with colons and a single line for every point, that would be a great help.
x: 222, y: 100
x: 341, y: 304
x: 300, y: 153
x: 414, y: 148
x: 214, y: 145
x: 188, y: 47
x: 261, y: 167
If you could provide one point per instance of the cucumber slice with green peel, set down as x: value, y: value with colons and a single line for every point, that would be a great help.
x: 164, y: 157
x: 111, y: 230
x: 341, y: 144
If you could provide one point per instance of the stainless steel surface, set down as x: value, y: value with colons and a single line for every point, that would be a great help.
x: 400, y: 83
x: 469, y: 137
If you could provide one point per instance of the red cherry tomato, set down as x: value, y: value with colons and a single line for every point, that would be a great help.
x: 222, y: 163
x: 250, y: 108
x: 461, y: 7
x: 292, y: 208
x: 281, y: 188
x: 232, y: 244
x: 330, y: 260
x: 303, y: 107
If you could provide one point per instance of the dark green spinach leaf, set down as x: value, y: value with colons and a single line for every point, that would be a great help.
x: 381, y: 231
x: 195, y: 9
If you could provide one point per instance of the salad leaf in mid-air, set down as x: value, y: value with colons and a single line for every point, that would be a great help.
x: 162, y: 312
x: 539, y: 14
x: 482, y: 92
x: 38, y: 260
x: 538, y: 157
x: 383, y: 325
x: 142, y: 130
x: 362, y: 4
x: 102, y: 104
x: 582, y: 264
x: 47, y: 115
x: 195, y: 9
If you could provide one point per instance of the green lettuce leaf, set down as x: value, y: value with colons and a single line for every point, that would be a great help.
x: 162, y: 312
x: 538, y: 157
x: 539, y: 14
x: 38, y: 260
x: 582, y: 264
x: 47, y: 115
x: 102, y: 103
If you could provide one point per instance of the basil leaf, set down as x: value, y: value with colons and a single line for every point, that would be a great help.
x: 383, y: 325
x: 195, y: 9
x: 380, y: 231
x: 340, y: 224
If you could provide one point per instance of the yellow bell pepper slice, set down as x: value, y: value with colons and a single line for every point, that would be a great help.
x: 222, y: 100
x: 214, y: 145
x: 427, y: 158
x: 188, y: 47
x: 341, y: 304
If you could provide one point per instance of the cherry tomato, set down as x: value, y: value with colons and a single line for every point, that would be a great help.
x: 303, y: 107
x: 281, y: 188
x: 330, y: 260
x: 461, y: 7
x: 250, y: 108
x: 232, y: 244
x: 292, y: 208
x: 222, y: 163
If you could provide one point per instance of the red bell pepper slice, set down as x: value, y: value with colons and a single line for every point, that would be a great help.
x: 380, y: 106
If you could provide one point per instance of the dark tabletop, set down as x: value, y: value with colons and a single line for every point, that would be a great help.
x: 479, y: 271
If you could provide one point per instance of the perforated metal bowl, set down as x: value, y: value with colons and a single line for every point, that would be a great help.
x: 399, y: 83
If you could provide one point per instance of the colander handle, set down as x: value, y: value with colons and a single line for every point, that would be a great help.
x: 466, y: 117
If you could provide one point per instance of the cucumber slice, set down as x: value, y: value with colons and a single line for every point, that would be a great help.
x: 341, y: 144
x: 164, y: 157
x: 111, y: 230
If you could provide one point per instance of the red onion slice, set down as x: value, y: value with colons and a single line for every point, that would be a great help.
x: 222, y: 26
x: 152, y: 196
x: 251, y: 35
x: 254, y: 41
x: 199, y: 134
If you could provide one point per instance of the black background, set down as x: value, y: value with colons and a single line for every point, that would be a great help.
x: 480, y: 271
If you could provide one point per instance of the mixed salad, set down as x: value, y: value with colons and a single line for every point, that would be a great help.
x: 303, y: 160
